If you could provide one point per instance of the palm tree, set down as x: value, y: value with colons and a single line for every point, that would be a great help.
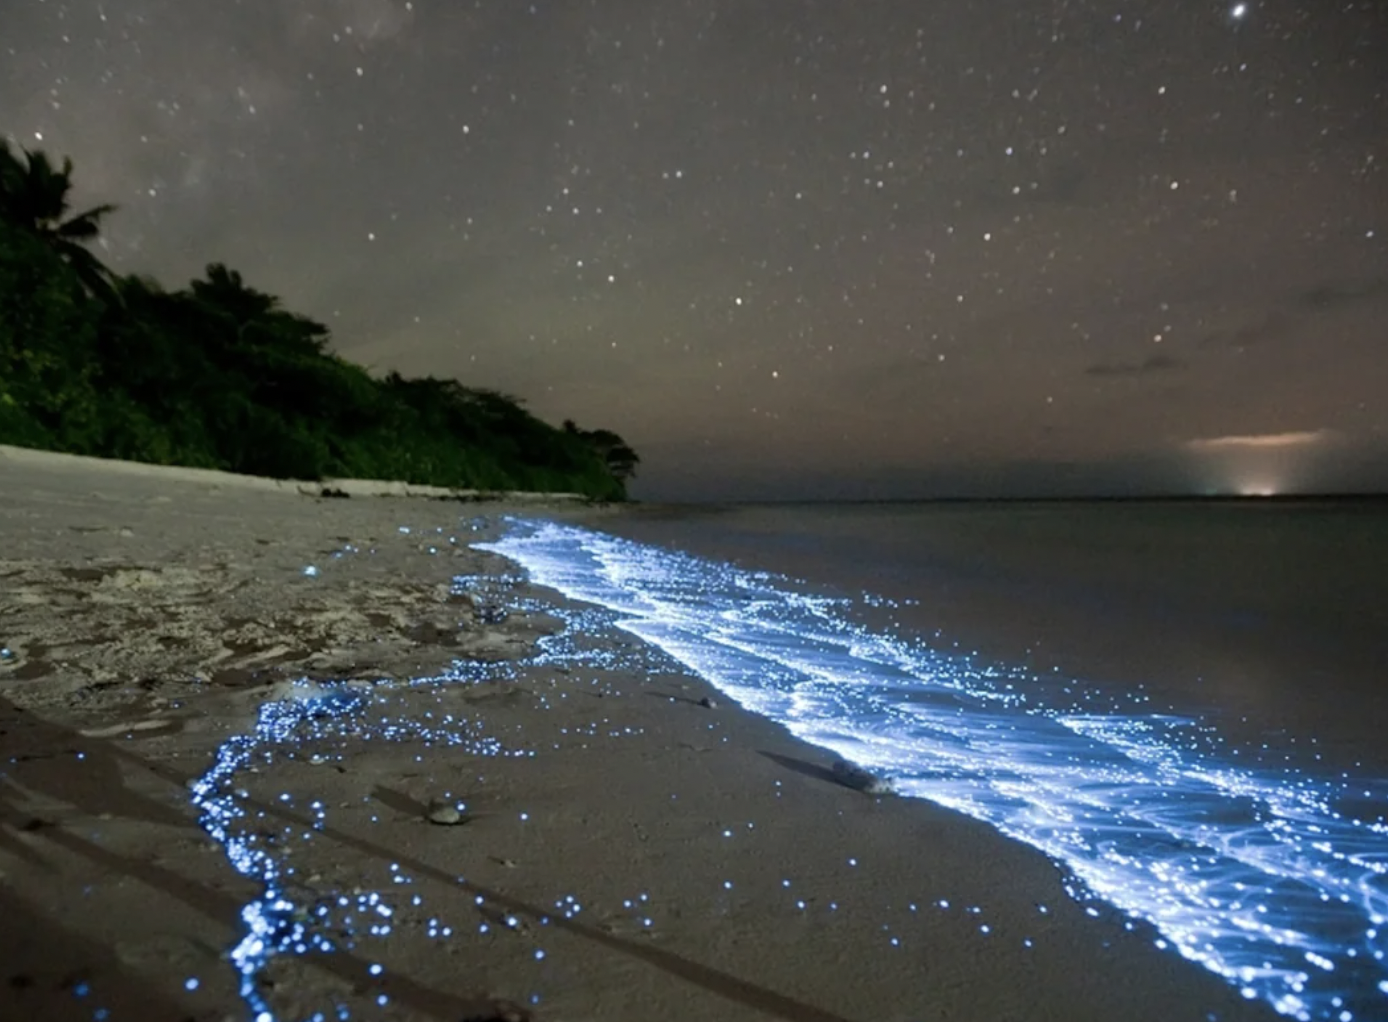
x: 256, y: 317
x: 34, y: 198
x: 225, y: 291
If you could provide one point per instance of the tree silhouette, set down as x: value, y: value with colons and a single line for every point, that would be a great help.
x: 34, y: 197
x: 619, y: 459
x: 220, y: 375
x: 228, y: 294
x: 255, y: 317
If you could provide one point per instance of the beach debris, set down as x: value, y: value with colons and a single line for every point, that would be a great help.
x: 708, y: 703
x: 115, y: 730
x: 444, y: 813
x: 490, y: 614
x: 850, y: 775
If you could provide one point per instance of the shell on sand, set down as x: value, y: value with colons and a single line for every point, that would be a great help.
x: 444, y: 813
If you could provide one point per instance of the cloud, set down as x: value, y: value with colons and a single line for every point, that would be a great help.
x: 1268, y: 327
x: 1262, y: 441
x: 1151, y: 364
x: 1327, y: 297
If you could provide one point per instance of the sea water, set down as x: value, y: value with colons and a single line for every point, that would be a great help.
x: 1181, y: 703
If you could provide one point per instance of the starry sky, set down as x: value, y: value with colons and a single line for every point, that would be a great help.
x: 788, y: 250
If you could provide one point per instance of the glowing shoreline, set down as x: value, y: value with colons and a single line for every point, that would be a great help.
x: 1257, y: 876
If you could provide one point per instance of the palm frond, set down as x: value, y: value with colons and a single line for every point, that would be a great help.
x: 34, y: 194
x: 85, y: 226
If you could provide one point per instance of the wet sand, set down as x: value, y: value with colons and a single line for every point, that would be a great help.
x: 622, y: 851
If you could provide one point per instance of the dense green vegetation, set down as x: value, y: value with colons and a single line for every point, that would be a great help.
x: 219, y: 375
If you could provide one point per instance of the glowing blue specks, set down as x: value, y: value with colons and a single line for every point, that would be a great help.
x: 275, y: 924
x: 1276, y: 881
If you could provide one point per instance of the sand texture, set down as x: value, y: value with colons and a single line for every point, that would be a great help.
x: 486, y: 802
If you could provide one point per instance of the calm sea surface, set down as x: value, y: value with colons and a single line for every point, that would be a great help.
x: 1184, y: 703
x: 1269, y: 620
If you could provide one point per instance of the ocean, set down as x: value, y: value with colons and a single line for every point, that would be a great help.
x: 1179, y: 702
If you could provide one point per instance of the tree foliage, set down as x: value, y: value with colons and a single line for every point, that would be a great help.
x: 621, y: 460
x: 220, y: 375
x: 34, y: 198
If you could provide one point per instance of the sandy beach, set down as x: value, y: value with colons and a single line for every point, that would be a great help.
x: 468, y: 798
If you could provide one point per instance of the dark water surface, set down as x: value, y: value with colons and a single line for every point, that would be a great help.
x: 1182, y: 703
x: 1270, y: 620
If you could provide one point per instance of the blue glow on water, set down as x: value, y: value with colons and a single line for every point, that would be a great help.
x: 1273, y: 879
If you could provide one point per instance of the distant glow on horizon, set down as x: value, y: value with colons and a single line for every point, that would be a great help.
x: 1253, y: 476
x: 1260, y: 464
x: 1263, y: 876
x: 1261, y: 441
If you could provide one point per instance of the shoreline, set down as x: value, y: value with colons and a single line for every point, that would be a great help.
x: 34, y: 458
x: 159, y: 615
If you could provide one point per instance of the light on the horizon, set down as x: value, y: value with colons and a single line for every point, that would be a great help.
x: 1261, y: 464
x: 1257, y: 476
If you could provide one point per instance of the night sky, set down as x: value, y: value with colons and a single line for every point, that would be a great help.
x: 792, y: 249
